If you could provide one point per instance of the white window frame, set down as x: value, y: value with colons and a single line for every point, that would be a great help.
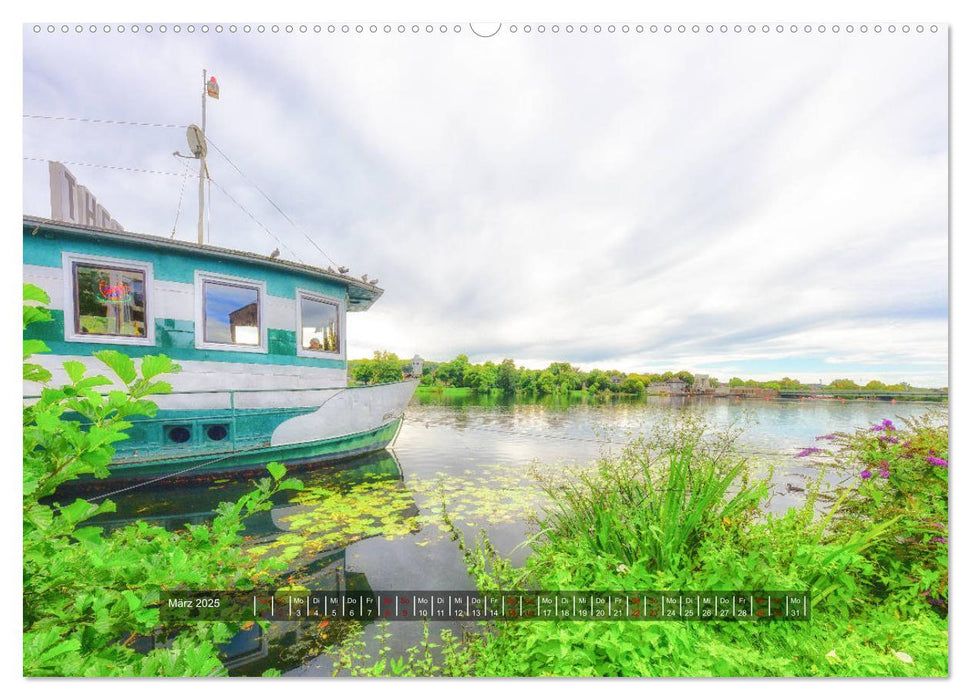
x: 341, y: 325
x: 201, y: 277
x: 71, y: 335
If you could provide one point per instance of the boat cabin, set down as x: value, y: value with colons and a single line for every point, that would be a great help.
x: 260, y: 340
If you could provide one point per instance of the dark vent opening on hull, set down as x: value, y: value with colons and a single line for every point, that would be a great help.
x: 177, y: 433
x: 217, y: 432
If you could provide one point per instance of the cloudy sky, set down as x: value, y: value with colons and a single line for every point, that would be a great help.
x: 758, y: 206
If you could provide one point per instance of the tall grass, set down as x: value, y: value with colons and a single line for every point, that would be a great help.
x: 650, y: 506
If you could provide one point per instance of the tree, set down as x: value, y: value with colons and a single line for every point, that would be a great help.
x: 632, y: 386
x: 387, y: 368
x: 363, y: 371
x: 597, y: 380
x: 383, y: 368
x: 686, y: 377
x: 480, y: 377
x: 843, y: 385
x: 451, y: 373
x: 565, y: 376
x: 528, y: 380
x: 546, y: 382
x: 507, y: 378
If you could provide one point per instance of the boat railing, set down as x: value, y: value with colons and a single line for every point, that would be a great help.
x: 231, y: 413
x: 277, y: 390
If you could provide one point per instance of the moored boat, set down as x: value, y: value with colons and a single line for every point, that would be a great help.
x: 261, y: 342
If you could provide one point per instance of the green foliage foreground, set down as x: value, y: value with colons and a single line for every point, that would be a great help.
x: 677, y: 511
x: 682, y: 511
x: 90, y: 597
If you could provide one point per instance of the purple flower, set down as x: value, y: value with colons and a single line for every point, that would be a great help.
x: 865, y: 474
x: 942, y: 540
x: 885, y: 473
x: 889, y: 438
x: 888, y: 424
x: 937, y: 461
x: 806, y: 451
x: 831, y: 436
x: 876, y: 428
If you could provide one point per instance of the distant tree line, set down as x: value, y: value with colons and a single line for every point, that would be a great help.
x: 787, y: 383
x: 562, y: 377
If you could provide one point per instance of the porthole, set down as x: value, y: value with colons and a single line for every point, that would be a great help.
x: 217, y: 432
x: 178, y: 433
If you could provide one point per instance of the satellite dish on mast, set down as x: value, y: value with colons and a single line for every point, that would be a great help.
x: 197, y: 141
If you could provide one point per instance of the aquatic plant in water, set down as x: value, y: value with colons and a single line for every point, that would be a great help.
x: 879, y: 585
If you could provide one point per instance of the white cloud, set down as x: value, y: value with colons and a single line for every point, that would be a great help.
x: 623, y: 201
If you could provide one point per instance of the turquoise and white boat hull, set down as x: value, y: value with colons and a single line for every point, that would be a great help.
x: 260, y: 379
x: 339, y: 423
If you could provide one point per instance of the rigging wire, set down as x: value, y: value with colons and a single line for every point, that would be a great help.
x: 103, y: 121
x: 270, y: 200
x: 107, y: 167
x: 260, y: 223
x: 209, y: 211
x: 183, y: 175
x: 259, y: 189
x: 181, y: 192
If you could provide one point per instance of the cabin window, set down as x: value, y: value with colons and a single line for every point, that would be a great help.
x: 230, y: 313
x: 106, y: 300
x: 319, y: 324
x: 109, y: 301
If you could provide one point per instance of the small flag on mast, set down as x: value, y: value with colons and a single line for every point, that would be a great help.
x: 212, y: 88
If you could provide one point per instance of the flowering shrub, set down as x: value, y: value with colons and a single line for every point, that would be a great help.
x: 912, y: 491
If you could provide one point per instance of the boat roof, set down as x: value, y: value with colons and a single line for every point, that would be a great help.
x: 360, y: 294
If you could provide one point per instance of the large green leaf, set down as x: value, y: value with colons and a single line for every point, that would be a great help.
x: 153, y: 365
x: 32, y: 346
x: 34, y: 293
x: 35, y: 314
x: 119, y: 363
x: 35, y: 373
x: 276, y: 470
x: 75, y: 370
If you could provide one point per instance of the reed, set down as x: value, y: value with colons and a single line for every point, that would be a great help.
x: 651, y: 504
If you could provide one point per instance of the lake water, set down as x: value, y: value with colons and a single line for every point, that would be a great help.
x: 483, y: 458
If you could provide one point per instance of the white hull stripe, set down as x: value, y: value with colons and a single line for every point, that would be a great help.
x: 220, y: 377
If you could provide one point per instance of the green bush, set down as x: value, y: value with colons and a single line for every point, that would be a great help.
x: 901, y: 473
x: 91, y: 597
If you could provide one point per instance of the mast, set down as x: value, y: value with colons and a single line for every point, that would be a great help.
x: 202, y: 161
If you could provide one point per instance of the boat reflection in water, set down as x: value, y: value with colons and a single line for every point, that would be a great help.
x: 313, y: 527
